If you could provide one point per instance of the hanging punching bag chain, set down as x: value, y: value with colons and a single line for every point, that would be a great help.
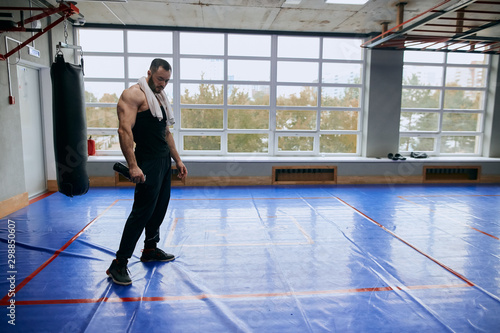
x: 65, y: 30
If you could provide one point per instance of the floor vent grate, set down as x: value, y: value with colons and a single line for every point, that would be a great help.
x: 452, y: 174
x: 292, y: 175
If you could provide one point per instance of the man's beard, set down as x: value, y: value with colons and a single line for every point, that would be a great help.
x: 151, y: 85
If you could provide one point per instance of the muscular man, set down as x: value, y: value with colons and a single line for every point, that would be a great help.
x: 149, y: 165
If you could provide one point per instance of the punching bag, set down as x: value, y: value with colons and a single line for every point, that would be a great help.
x: 70, y: 127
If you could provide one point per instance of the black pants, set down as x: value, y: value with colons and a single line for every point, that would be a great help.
x: 150, y: 205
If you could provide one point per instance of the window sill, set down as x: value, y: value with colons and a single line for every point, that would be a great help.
x: 303, y: 159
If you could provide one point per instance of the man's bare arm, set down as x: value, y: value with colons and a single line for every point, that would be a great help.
x: 127, y: 108
x: 175, y: 155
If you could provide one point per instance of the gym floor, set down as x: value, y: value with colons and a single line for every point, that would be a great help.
x: 361, y: 258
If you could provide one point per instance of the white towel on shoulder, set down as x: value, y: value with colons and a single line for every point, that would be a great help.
x: 154, y: 106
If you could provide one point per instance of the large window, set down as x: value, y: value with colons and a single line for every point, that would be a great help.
x: 234, y: 93
x: 443, y: 102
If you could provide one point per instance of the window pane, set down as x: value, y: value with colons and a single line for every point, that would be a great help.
x: 247, y: 143
x: 248, y: 46
x: 298, y: 47
x: 104, y: 67
x: 459, y: 144
x: 295, y: 120
x: 297, y: 72
x: 106, y: 142
x: 139, y: 66
x: 341, y: 73
x: 461, y: 121
x: 466, y: 77
x: 342, y: 49
x: 467, y: 58
x: 103, y: 92
x: 296, y: 96
x: 344, y: 97
x: 140, y: 41
x: 202, y: 69
x: 420, y: 98
x: 101, y: 40
x: 249, y: 70
x: 201, y: 43
x: 419, y: 121
x: 463, y: 99
x: 427, y: 57
x: 422, y: 75
x: 450, y: 96
x: 102, y: 117
x: 202, y: 118
x: 248, y: 95
x: 408, y: 144
x: 247, y: 119
x: 339, y: 120
x: 202, y: 142
x: 295, y: 143
x: 202, y: 93
x: 338, y: 143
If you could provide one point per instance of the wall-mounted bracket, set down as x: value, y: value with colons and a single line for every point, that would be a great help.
x: 64, y: 9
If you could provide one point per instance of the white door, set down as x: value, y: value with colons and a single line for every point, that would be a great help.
x: 32, y: 130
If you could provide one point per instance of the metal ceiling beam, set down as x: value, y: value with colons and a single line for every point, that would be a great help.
x: 470, y: 32
x: 434, y: 15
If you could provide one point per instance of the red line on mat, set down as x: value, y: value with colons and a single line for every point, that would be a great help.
x: 249, y: 198
x: 40, y: 197
x: 460, y: 276
x: 229, y: 296
x: 5, y: 299
x: 485, y: 233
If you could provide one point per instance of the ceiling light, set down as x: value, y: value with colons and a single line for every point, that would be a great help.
x: 292, y: 2
x: 348, y: 2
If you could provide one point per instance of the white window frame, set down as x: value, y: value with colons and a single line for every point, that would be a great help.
x: 272, y: 132
x: 439, y: 133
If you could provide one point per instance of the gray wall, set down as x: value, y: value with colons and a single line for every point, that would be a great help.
x: 345, y: 168
x: 492, y: 123
x: 382, y: 102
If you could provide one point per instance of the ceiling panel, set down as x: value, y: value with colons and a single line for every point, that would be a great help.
x: 307, y: 16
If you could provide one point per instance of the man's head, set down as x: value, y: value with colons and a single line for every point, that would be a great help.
x: 159, y: 74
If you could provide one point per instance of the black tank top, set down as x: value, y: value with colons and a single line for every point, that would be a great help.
x: 149, y: 135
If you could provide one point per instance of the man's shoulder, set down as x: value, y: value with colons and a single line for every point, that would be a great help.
x: 134, y: 94
x: 135, y: 90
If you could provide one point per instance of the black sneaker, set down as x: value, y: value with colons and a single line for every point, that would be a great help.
x: 156, y: 255
x: 118, y: 272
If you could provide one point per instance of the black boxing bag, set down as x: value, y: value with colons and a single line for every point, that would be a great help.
x: 70, y: 127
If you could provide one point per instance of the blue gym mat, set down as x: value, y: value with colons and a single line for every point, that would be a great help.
x: 364, y: 258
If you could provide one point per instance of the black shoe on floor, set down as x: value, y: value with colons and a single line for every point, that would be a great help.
x: 156, y: 255
x: 118, y: 272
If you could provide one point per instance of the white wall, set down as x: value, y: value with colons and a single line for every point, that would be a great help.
x: 11, y: 163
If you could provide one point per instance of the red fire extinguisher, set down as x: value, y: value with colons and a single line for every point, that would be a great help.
x: 91, y: 146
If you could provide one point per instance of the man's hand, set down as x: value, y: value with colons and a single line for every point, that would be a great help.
x: 181, y: 168
x: 136, y: 175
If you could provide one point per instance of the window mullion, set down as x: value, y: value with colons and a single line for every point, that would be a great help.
x: 177, y: 90
x: 273, y: 140
x: 316, y: 148
x: 225, y: 139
